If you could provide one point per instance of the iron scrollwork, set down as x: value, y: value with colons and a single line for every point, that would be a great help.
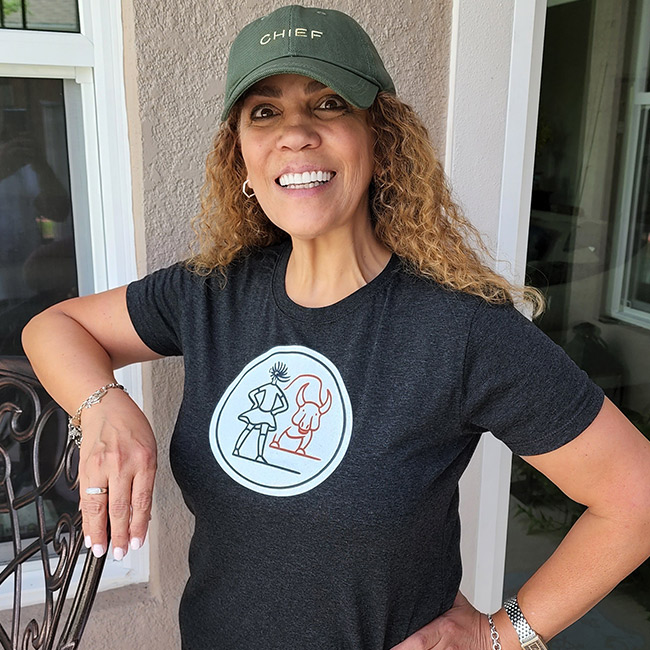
x: 39, y: 485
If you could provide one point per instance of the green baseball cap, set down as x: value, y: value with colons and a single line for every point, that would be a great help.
x: 323, y: 44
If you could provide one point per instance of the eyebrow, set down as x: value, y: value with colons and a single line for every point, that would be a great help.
x: 274, y: 91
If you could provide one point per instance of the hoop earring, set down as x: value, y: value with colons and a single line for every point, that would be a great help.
x: 246, y: 194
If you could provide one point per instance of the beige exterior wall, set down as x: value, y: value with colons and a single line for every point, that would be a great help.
x: 175, y: 58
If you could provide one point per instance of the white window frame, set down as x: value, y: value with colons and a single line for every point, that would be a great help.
x: 639, y: 98
x: 91, y: 65
x: 489, y: 157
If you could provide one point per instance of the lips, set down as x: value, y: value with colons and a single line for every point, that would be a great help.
x: 305, y: 180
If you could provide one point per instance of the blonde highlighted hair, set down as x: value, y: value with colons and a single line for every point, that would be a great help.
x: 410, y: 203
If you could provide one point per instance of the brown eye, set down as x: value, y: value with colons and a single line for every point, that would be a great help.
x: 263, y: 112
x: 333, y: 103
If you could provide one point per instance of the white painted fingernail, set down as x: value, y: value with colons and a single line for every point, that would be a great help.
x: 118, y: 554
x: 98, y: 550
x: 136, y: 543
x: 87, y: 542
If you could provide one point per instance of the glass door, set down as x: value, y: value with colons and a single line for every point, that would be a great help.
x: 589, y: 252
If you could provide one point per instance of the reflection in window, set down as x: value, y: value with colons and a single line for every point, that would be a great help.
x: 629, y: 290
x: 591, y: 176
x: 44, y: 15
x: 37, y: 269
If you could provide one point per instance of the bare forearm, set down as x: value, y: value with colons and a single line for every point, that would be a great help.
x: 67, y: 360
x: 597, y: 553
x: 606, y: 467
x: 74, y: 347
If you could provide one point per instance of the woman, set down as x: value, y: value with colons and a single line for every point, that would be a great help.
x: 328, y: 243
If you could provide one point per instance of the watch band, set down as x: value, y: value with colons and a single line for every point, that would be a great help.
x: 528, y: 638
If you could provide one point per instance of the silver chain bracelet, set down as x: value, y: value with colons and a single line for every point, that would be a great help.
x: 74, y: 422
x: 494, y: 635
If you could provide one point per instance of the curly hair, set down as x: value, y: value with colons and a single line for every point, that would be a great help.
x: 411, y: 208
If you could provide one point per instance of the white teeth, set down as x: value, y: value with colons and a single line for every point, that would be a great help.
x: 306, y: 178
x: 304, y: 186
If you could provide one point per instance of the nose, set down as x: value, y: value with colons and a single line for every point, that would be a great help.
x: 298, y: 132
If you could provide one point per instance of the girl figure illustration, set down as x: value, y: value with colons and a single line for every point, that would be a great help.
x: 268, y: 401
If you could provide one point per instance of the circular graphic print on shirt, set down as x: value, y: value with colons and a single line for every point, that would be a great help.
x: 284, y: 424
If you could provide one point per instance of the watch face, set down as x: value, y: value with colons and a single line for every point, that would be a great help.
x: 534, y: 644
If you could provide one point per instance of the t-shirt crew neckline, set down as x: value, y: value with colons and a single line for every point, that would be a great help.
x: 329, y: 312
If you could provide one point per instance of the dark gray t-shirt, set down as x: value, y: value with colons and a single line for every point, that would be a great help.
x: 320, y: 448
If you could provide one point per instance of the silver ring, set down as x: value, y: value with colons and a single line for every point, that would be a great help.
x: 96, y: 490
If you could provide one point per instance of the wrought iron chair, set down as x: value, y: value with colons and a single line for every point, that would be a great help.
x: 39, y: 517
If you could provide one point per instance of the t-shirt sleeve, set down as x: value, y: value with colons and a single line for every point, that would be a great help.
x: 155, y: 307
x: 521, y: 386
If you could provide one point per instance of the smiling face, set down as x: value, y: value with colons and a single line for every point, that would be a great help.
x: 308, y: 154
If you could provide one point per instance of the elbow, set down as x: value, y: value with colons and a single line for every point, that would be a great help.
x: 36, y: 327
x: 640, y: 514
x: 30, y: 333
x: 642, y: 510
x: 632, y: 511
x: 637, y: 503
x: 626, y: 504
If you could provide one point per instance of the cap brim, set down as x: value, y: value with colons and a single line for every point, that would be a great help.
x: 354, y: 89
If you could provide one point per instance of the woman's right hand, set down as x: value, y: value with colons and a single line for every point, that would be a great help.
x: 118, y: 451
x: 94, y: 335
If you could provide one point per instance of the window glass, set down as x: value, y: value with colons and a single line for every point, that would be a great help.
x: 586, y: 184
x: 45, y: 15
x: 37, y: 269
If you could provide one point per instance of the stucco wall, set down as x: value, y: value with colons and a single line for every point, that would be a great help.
x: 175, y: 59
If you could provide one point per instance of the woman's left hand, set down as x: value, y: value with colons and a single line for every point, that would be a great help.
x: 460, y: 628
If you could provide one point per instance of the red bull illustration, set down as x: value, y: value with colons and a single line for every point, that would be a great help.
x: 307, y: 418
x: 295, y: 397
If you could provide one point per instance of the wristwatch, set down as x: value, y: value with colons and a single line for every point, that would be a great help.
x: 528, y: 638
